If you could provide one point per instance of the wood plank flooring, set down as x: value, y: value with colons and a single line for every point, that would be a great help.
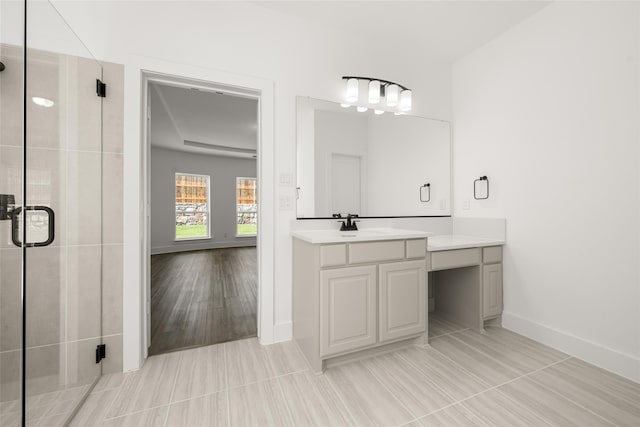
x: 203, y: 297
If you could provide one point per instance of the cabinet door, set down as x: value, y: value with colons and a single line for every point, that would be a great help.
x: 347, y: 309
x: 402, y: 299
x: 491, y: 290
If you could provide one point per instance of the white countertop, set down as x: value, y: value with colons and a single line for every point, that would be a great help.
x: 457, y: 241
x: 363, y: 235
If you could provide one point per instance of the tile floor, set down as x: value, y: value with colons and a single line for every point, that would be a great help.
x: 463, y: 378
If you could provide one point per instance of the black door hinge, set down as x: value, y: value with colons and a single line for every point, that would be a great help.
x: 101, y: 88
x: 101, y: 352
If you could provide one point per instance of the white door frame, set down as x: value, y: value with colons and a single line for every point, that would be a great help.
x: 139, y: 72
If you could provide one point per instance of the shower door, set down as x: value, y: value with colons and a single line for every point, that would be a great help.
x: 51, y: 217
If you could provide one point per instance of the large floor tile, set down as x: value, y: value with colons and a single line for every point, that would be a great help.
x: 94, y: 408
x: 478, y: 363
x: 509, y: 354
x: 368, y: 401
x: 445, y: 374
x: 408, y: 385
x: 247, y: 362
x: 149, y: 387
x: 258, y: 404
x: 453, y: 416
x: 154, y: 417
x: 439, y: 325
x: 496, y: 409
x: 544, y: 354
x: 608, y: 395
x: 550, y: 406
x: 286, y: 358
x: 208, y: 410
x: 201, y: 371
x: 312, y: 400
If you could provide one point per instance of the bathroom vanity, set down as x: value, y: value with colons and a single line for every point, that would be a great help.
x: 465, y: 278
x: 358, y: 292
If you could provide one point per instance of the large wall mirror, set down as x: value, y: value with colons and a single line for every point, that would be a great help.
x: 371, y: 165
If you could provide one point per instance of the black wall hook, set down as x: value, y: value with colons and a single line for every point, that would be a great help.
x: 426, y: 188
x: 475, y: 188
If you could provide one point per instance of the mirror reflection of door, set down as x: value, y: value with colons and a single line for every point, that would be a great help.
x: 345, y: 183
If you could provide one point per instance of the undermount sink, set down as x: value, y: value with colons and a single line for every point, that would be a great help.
x: 366, y: 234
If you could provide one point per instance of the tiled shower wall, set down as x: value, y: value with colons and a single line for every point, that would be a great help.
x: 69, y: 312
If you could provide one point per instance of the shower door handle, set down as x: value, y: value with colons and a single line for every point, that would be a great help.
x: 15, y: 226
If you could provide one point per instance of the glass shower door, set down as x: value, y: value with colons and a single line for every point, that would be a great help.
x: 53, y: 241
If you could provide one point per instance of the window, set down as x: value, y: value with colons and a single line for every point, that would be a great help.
x: 192, y: 206
x: 246, y: 207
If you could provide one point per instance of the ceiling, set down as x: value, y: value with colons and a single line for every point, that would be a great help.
x: 442, y: 30
x: 204, y: 119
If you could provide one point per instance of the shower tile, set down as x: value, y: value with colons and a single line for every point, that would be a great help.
x: 112, y: 196
x: 10, y: 298
x: 46, y: 369
x: 113, y: 362
x: 111, y: 289
x: 46, y: 295
x: 9, y: 376
x: 10, y: 183
x: 46, y: 178
x: 81, y: 362
x: 113, y: 108
x: 84, y: 198
x: 83, y: 292
x: 83, y: 122
x: 11, y: 103
x: 44, y: 80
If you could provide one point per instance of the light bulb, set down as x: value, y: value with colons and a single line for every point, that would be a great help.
x: 374, y: 92
x: 43, y: 102
x: 392, y: 95
x: 352, y: 90
x: 361, y: 109
x: 405, y: 100
x: 345, y: 105
x: 378, y: 112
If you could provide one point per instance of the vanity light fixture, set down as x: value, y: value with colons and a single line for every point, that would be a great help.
x: 345, y: 105
x: 378, y: 112
x: 398, y: 98
x: 361, y: 109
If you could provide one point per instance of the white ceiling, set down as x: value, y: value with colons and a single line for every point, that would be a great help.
x: 205, y: 118
x: 441, y: 30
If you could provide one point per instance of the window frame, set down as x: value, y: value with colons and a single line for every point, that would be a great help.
x: 208, y: 211
x: 240, y: 236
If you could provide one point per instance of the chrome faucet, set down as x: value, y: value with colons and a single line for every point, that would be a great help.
x: 349, y: 225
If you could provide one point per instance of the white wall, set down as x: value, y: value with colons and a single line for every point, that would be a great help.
x: 549, y: 112
x: 222, y: 172
x: 245, y: 39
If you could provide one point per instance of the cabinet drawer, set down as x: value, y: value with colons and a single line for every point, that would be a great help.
x: 492, y: 254
x: 376, y: 251
x: 416, y: 248
x: 443, y: 260
x: 333, y: 255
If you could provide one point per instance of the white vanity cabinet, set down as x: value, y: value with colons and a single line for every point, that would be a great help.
x: 491, y: 282
x: 357, y: 296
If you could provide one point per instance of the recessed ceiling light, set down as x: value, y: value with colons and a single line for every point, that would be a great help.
x: 43, y: 102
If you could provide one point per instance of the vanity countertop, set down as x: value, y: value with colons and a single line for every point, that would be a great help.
x: 362, y: 235
x: 457, y: 241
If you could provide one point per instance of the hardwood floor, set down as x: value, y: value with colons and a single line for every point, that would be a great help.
x: 202, y: 297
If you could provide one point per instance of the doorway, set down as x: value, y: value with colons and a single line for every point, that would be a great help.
x: 203, y: 222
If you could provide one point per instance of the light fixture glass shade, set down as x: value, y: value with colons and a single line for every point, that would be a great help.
x: 374, y: 92
x: 352, y: 90
x: 43, y: 102
x: 361, y: 109
x: 378, y: 112
x: 345, y: 105
x: 392, y: 95
x: 405, y: 100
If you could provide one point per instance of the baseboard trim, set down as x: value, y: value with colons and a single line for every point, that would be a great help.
x: 615, y: 361
x: 185, y: 247
x: 283, y: 332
